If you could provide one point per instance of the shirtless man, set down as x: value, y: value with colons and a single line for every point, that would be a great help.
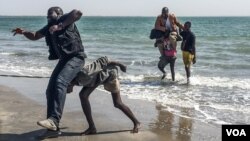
x: 101, y: 72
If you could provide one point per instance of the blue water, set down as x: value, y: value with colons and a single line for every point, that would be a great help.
x: 220, y: 83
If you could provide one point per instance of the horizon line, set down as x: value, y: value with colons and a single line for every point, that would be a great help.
x: 126, y: 16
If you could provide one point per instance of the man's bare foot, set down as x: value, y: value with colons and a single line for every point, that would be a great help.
x: 136, y: 128
x: 163, y: 76
x: 89, y: 131
x: 188, y: 81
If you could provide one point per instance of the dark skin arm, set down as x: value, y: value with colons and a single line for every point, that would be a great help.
x: 194, y: 50
x: 178, y: 23
x: 72, y: 17
x: 29, y: 35
x: 158, y: 25
x: 114, y: 63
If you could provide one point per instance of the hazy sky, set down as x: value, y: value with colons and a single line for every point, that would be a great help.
x: 129, y: 7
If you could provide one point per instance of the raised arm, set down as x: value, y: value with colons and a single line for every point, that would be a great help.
x: 194, y: 49
x: 70, y: 18
x: 179, y: 24
x: 176, y: 21
x: 73, y: 16
x: 122, y: 67
x: 29, y: 35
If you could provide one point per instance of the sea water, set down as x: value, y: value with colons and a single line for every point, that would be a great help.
x: 220, y: 82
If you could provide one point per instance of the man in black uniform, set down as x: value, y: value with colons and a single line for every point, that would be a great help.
x: 64, y: 41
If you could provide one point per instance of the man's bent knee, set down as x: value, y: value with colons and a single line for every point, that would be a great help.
x: 117, y: 105
x: 112, y: 86
x: 83, y: 95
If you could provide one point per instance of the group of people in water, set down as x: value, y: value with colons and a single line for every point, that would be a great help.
x: 64, y: 42
x: 167, y: 24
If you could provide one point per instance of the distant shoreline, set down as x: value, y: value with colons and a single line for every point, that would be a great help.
x: 132, y: 16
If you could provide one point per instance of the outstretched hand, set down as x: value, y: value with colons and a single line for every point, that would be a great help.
x: 123, y: 68
x: 17, y: 31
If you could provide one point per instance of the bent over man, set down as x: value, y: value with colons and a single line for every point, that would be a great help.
x: 101, y: 72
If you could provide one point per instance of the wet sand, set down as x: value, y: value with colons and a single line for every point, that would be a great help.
x: 22, y: 104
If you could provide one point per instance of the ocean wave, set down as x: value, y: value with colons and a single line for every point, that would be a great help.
x: 20, y: 54
x: 212, y: 98
x: 175, y: 99
x: 196, y: 80
x: 223, y: 82
x: 236, y: 108
x: 7, y: 53
x: 8, y: 69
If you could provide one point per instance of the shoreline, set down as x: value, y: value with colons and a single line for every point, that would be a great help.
x: 22, y: 104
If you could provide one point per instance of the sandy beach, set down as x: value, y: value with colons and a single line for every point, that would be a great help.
x: 22, y: 104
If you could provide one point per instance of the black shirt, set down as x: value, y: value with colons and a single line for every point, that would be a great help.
x: 189, y: 40
x: 63, y: 43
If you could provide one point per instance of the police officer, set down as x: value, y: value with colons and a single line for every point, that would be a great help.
x: 64, y: 42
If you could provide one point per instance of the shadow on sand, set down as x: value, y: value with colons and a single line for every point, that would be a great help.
x: 34, y: 135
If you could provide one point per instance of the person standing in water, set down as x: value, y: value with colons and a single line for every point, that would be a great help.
x: 167, y: 23
x: 188, y: 48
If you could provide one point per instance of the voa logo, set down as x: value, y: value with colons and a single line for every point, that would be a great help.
x: 236, y: 132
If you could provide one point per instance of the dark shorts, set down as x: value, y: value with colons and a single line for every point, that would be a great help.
x: 165, y: 60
